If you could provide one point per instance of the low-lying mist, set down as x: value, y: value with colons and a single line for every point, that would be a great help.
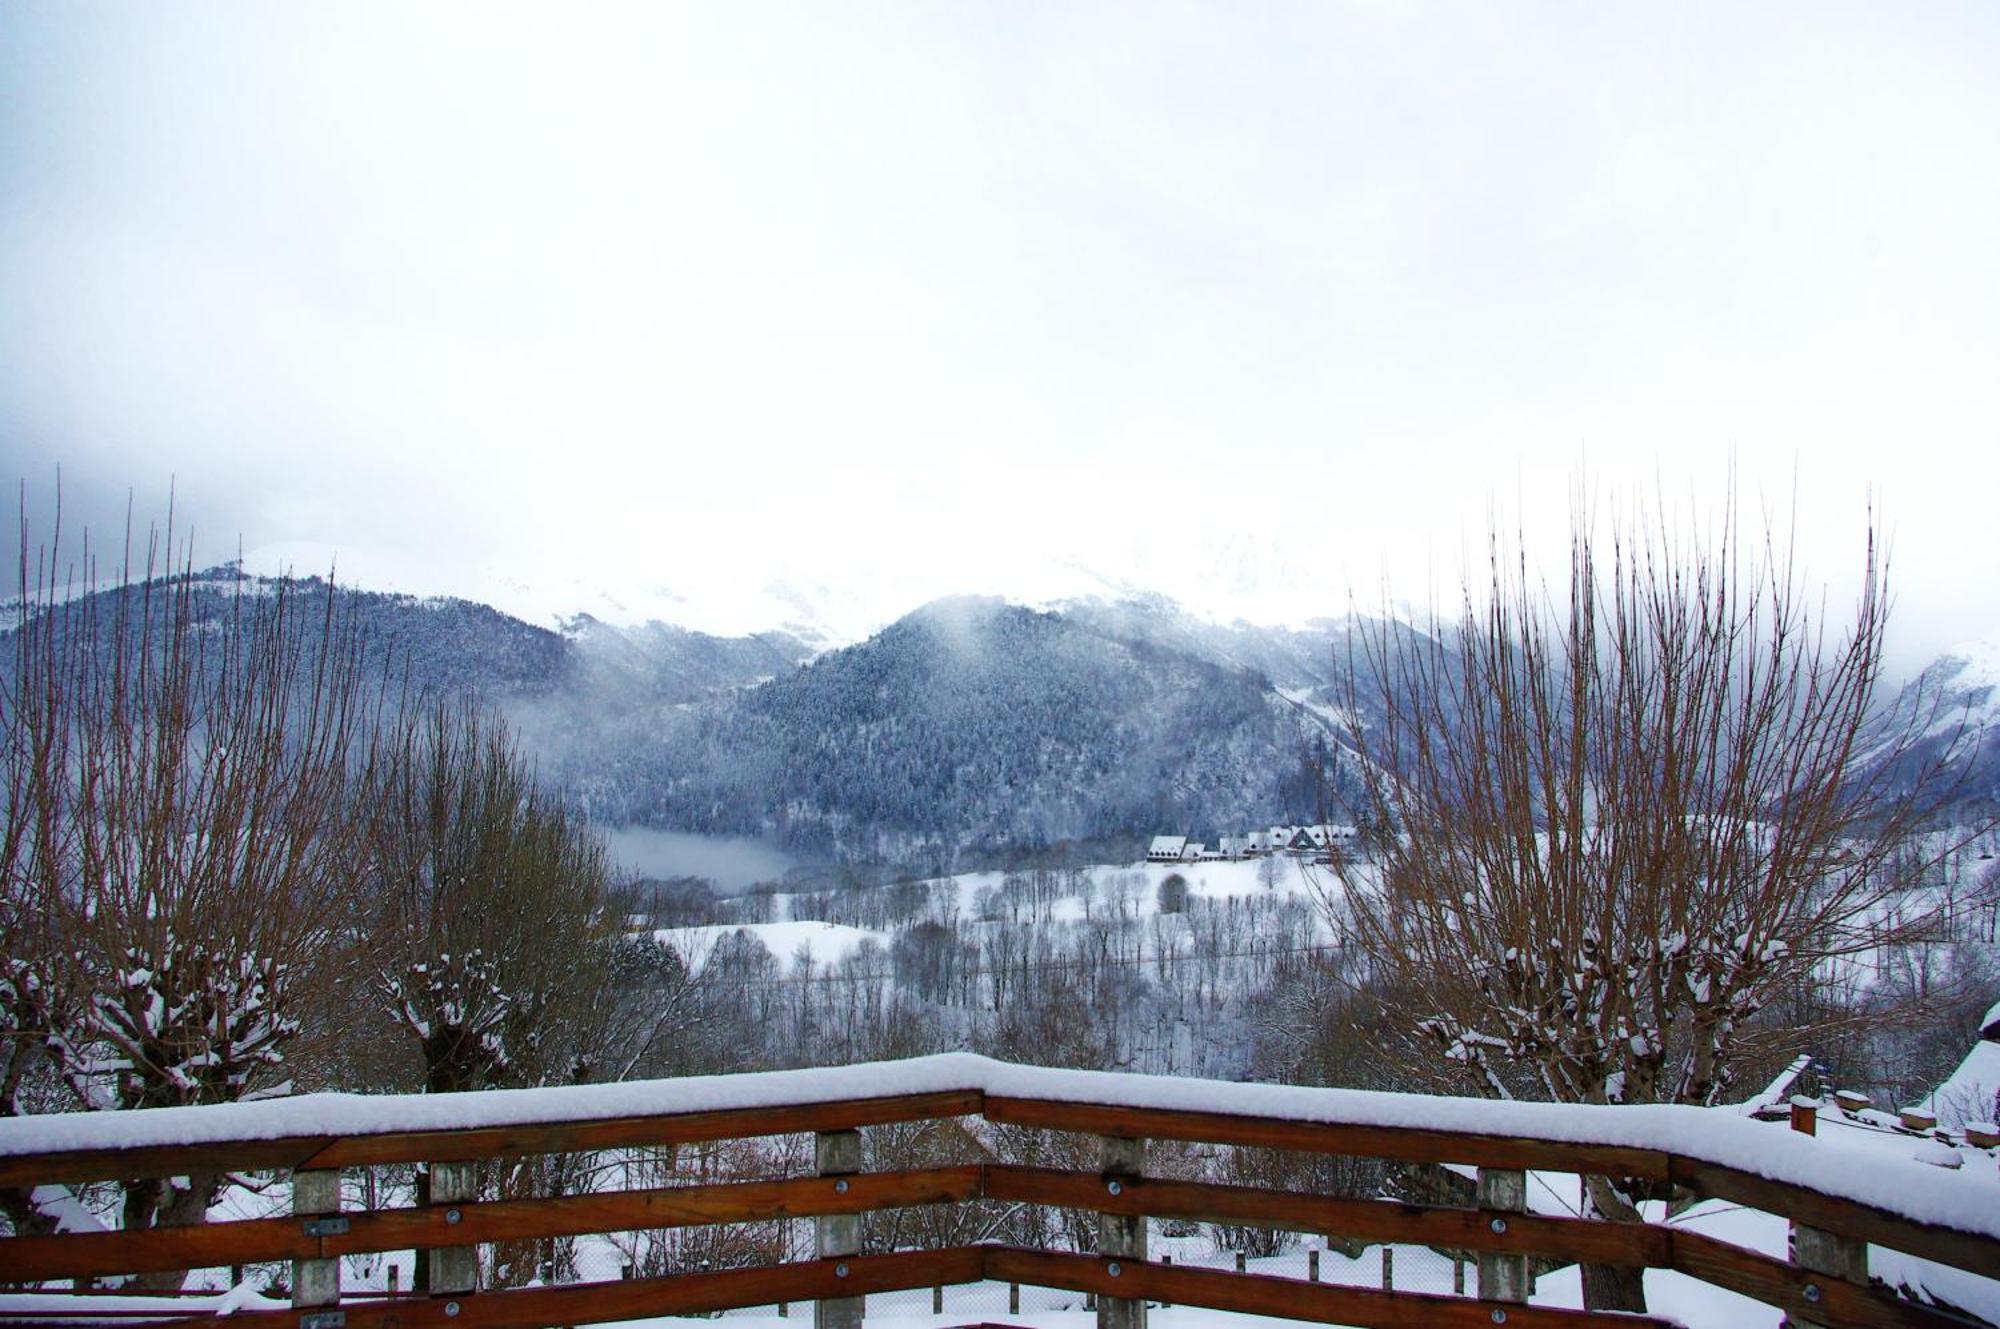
x: 733, y: 863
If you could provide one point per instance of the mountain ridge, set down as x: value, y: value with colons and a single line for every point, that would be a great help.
x: 972, y: 723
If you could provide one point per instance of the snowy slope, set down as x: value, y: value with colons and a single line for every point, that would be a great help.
x: 789, y: 943
x: 1951, y: 711
x: 1971, y: 1093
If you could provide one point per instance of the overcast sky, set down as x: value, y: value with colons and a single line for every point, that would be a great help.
x: 1250, y: 303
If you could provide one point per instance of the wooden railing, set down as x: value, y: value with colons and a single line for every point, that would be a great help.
x: 315, y: 1139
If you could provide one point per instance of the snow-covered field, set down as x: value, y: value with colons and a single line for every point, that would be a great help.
x: 1860, y: 1155
x: 791, y: 943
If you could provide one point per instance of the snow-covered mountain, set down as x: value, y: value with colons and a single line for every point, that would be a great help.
x: 718, y: 604
x: 1968, y: 677
x: 843, y: 594
x: 966, y: 725
x: 971, y: 723
x: 1949, y: 715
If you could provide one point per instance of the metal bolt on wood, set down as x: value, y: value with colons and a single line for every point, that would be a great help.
x: 1502, y: 1277
x: 1121, y: 1236
x: 454, y: 1269
x: 838, y: 1154
x: 1821, y: 1252
x: 315, y: 1282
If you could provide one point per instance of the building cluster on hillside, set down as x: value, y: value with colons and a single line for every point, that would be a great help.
x: 1295, y: 841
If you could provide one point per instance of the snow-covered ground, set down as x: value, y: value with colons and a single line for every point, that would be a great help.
x: 789, y: 942
x: 1863, y: 1155
x: 1971, y: 1093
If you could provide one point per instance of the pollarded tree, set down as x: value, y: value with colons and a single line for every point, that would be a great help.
x: 174, y: 753
x: 493, y: 936
x: 1631, y: 812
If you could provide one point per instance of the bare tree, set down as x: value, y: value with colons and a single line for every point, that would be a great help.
x: 176, y: 751
x: 491, y: 925
x: 1630, y: 813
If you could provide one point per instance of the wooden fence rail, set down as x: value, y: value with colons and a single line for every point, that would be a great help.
x: 1825, y: 1285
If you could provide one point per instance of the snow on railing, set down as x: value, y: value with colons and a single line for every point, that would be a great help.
x: 1840, y: 1199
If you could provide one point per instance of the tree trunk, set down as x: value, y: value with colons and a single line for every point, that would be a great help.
x: 1610, y: 1287
x: 28, y: 1220
x: 420, y: 1273
x: 162, y: 1204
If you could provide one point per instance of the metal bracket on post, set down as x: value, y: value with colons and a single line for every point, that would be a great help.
x: 838, y: 1153
x: 317, y: 1282
x: 1121, y: 1237
x: 454, y: 1269
x: 1502, y: 1277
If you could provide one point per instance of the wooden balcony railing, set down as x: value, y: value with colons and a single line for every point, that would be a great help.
x: 1839, y: 1203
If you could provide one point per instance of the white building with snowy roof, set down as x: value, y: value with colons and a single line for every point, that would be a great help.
x: 1971, y: 1093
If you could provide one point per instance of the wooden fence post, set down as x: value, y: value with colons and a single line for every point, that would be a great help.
x: 1503, y: 1192
x: 454, y: 1269
x: 1121, y: 1237
x: 838, y: 1154
x: 316, y: 1283
x: 1828, y: 1253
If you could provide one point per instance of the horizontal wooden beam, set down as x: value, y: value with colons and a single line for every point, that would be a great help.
x: 665, y: 1207
x: 145, y: 1250
x: 209, y: 1244
x: 1847, y: 1217
x: 1283, y: 1298
x: 1407, y: 1143
x: 1839, y: 1304
x: 631, y: 1132
x: 69, y: 1166
x: 644, y: 1298
x: 80, y: 1254
x: 1757, y: 1276
x: 1637, y: 1244
x: 456, y: 1146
